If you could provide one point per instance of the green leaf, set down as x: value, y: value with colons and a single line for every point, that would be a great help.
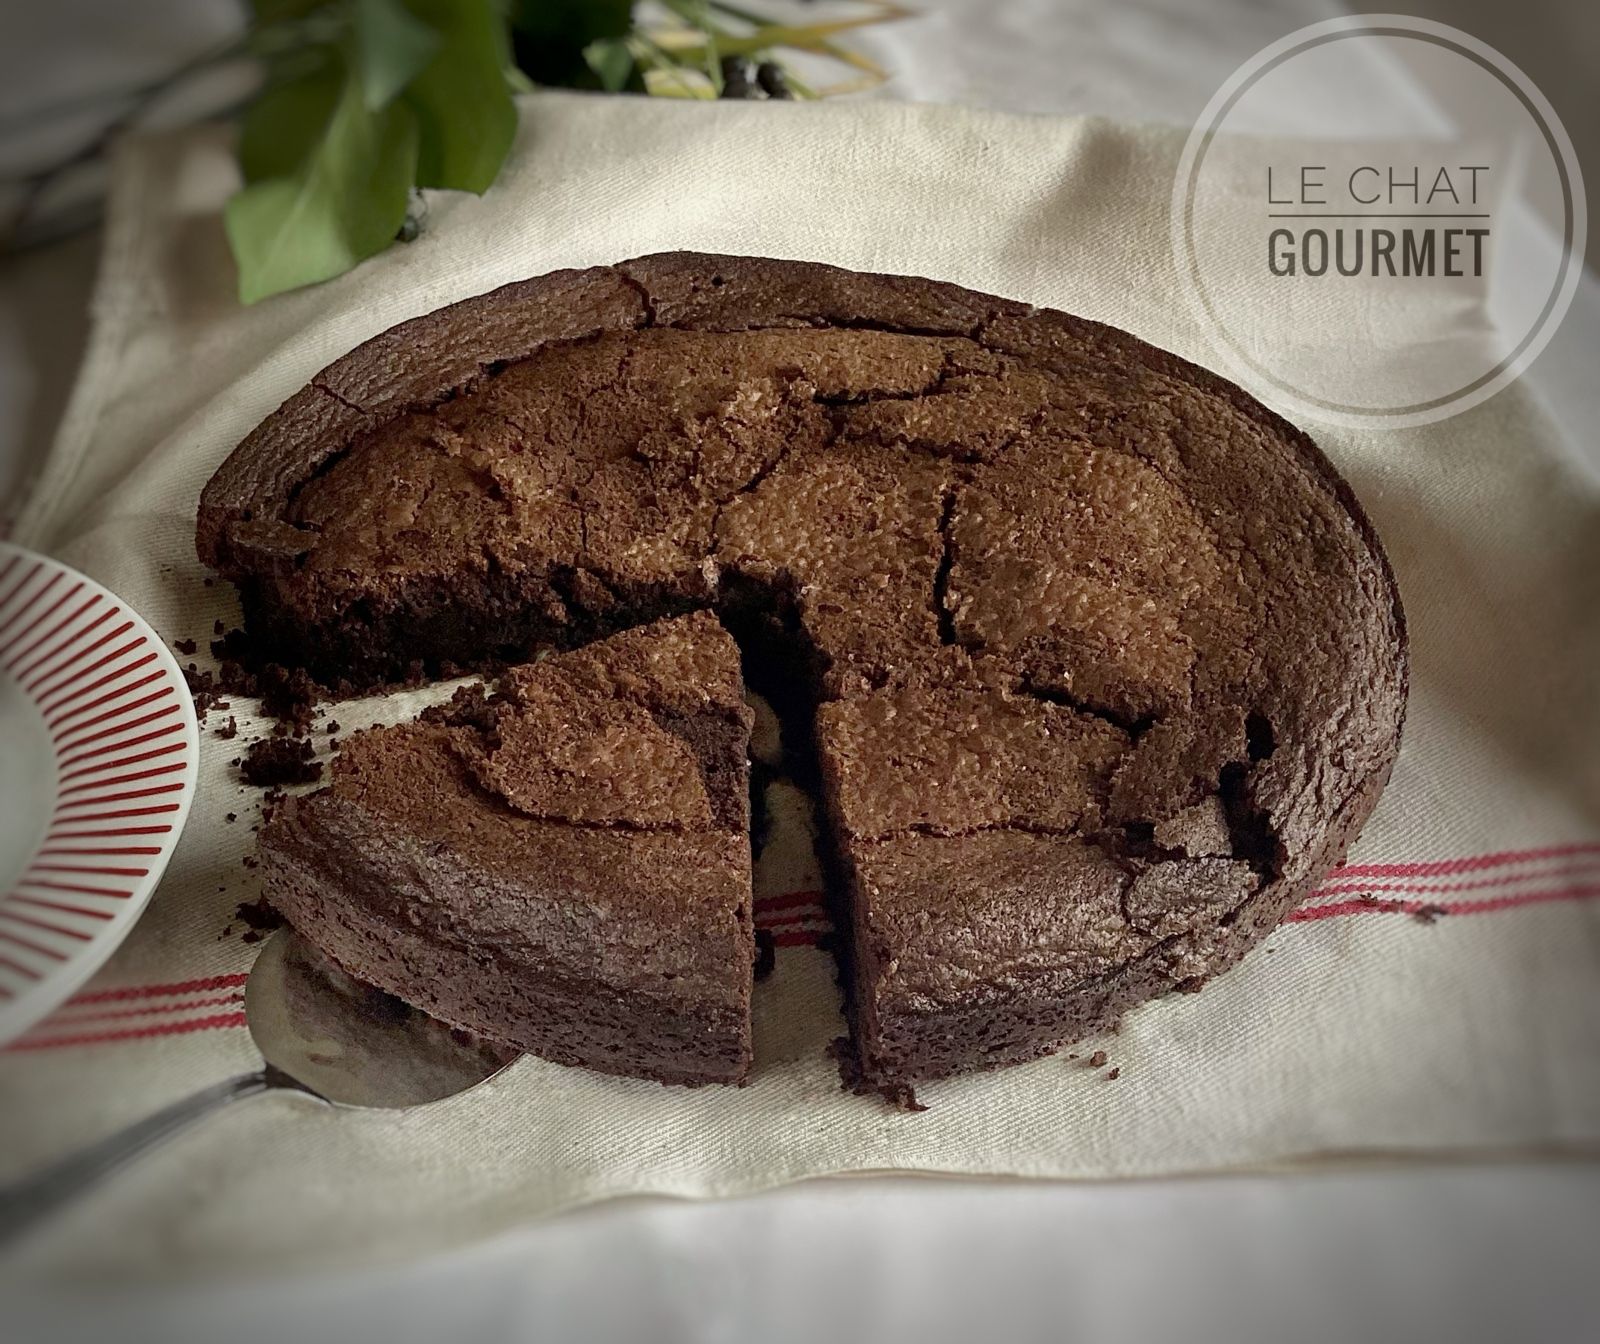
x: 611, y: 60
x: 343, y: 205
x: 552, y: 36
x: 392, y: 46
x: 576, y: 21
x: 286, y: 121
x: 465, y: 115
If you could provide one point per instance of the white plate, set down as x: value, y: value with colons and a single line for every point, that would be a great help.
x: 98, y: 757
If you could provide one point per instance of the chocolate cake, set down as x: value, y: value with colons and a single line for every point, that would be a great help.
x: 562, y: 867
x: 1101, y: 663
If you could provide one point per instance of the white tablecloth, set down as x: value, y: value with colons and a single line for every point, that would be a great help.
x: 1464, y: 1252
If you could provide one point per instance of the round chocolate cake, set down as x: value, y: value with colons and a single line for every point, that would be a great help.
x: 1100, y: 664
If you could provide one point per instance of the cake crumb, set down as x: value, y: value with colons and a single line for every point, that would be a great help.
x: 1429, y: 914
x: 203, y: 689
x: 259, y: 919
x: 1114, y: 1075
x: 280, y: 760
x: 186, y: 646
x: 1097, y: 1060
x: 901, y: 1096
x: 229, y: 730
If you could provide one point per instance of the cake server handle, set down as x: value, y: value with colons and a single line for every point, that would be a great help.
x: 34, y: 1197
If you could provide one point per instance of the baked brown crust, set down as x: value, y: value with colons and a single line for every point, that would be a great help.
x: 1108, y: 662
x: 514, y: 866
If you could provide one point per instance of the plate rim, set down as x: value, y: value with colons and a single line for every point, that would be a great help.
x: 28, y: 1008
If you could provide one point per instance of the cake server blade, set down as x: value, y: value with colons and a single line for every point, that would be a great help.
x: 319, y: 1032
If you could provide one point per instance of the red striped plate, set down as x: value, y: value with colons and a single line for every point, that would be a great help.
x: 97, y: 772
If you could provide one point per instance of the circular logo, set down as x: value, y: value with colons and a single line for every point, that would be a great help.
x: 1379, y: 221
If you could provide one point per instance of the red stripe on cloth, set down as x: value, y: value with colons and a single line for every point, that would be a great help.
x: 803, y: 939
x: 212, y: 1023
x: 1445, y: 867
x: 1572, y: 868
x: 205, y: 985
x: 1395, y: 907
x: 787, y: 899
x: 57, y: 1021
x: 794, y: 921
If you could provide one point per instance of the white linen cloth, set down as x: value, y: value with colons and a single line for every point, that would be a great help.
x: 1359, y: 1032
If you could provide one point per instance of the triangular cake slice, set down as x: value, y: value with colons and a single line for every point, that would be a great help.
x: 562, y: 867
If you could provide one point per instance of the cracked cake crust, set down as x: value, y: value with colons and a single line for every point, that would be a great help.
x: 562, y: 867
x: 1102, y: 664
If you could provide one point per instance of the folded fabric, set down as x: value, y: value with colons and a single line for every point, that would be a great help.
x: 1438, y: 994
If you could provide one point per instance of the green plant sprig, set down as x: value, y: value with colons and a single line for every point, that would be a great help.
x: 365, y: 101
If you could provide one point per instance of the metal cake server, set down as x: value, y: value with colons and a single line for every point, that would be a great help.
x: 320, y: 1033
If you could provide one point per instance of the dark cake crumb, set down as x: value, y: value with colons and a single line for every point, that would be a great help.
x: 259, y: 919
x: 204, y: 689
x: 286, y: 694
x: 470, y: 707
x: 1114, y: 1075
x: 281, y: 760
x: 185, y: 646
x: 1429, y: 914
x: 230, y: 729
x: 1097, y: 1060
x: 231, y: 817
x: 900, y: 1095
